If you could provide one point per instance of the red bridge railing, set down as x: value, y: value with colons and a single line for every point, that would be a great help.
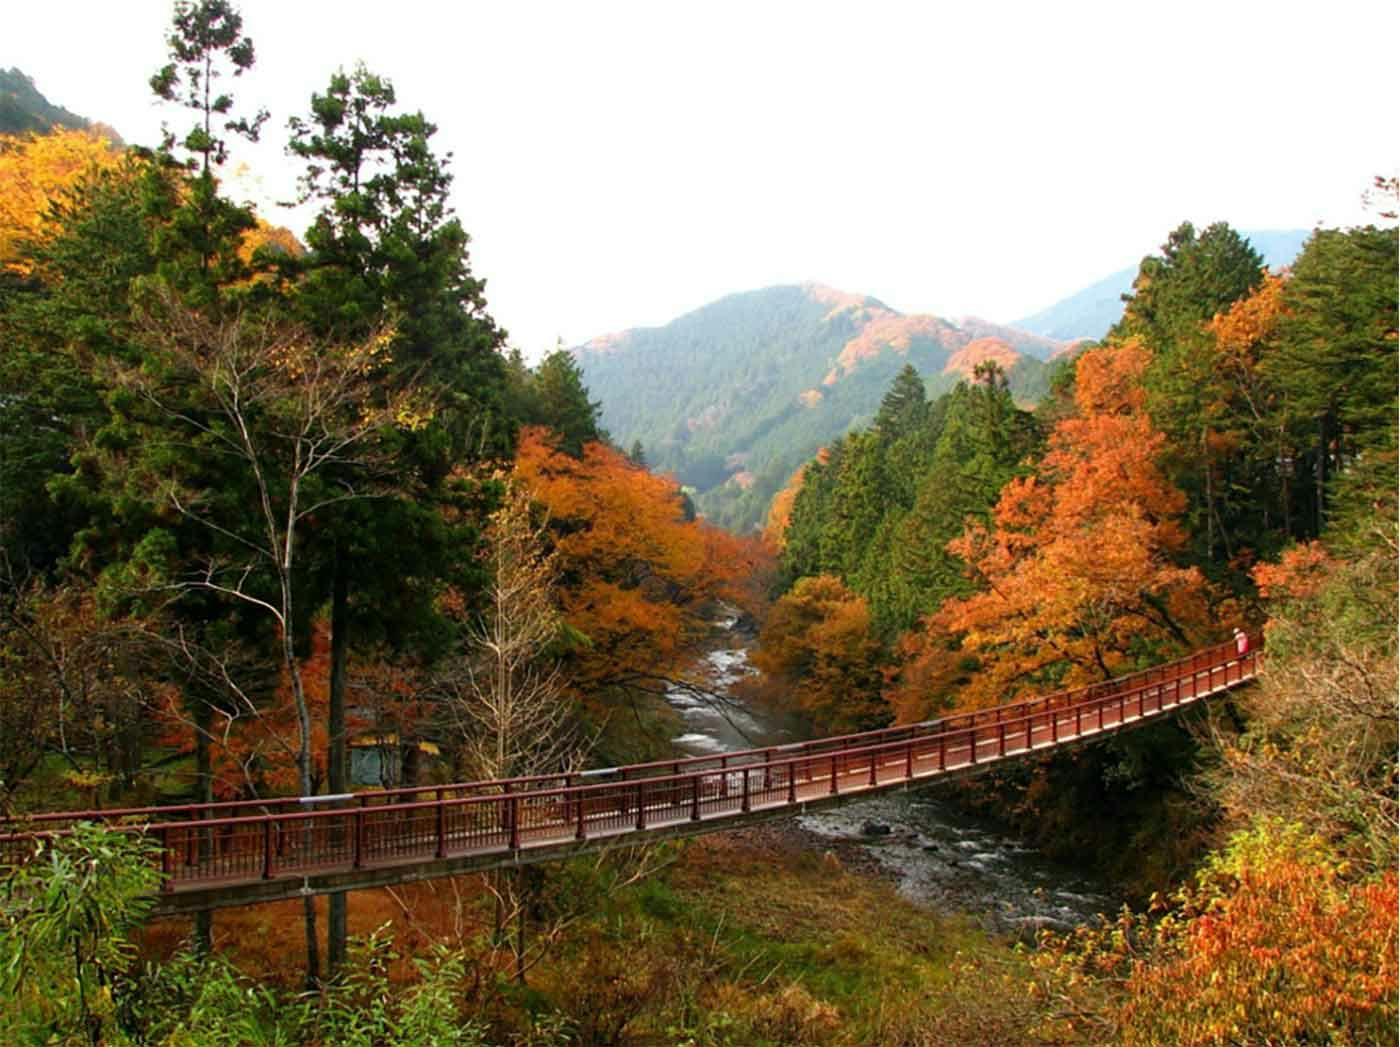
x: 227, y: 844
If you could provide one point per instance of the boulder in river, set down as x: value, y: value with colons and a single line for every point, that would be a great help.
x: 875, y: 829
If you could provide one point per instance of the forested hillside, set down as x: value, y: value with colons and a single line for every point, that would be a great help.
x: 733, y: 397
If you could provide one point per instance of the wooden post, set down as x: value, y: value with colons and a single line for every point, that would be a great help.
x: 581, y: 832
x: 744, y: 805
x: 834, y: 787
x: 642, y: 806
x: 695, y: 798
x: 441, y: 826
x: 792, y: 782
x: 909, y: 759
x: 267, y: 849
x: 166, y: 864
x: 357, y: 860
x: 874, y: 764
x: 513, y: 817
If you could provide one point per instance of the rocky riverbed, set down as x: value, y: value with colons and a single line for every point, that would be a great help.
x: 937, y: 854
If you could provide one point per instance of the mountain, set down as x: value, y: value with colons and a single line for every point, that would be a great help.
x: 736, y: 395
x: 1091, y: 312
x: 23, y: 109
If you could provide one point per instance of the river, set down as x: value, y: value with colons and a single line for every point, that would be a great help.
x: 939, y: 855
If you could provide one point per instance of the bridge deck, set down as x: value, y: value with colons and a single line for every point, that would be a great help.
x: 216, y: 855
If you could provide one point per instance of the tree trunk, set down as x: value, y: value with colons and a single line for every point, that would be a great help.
x: 520, y: 904
x: 1324, y: 440
x: 204, y: 793
x: 336, y: 777
x: 313, y: 952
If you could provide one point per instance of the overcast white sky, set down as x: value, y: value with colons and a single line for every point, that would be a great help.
x: 619, y: 164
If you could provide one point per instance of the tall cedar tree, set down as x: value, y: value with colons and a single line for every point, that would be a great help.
x: 385, y: 249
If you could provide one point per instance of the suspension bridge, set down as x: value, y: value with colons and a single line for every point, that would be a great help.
x: 243, y: 852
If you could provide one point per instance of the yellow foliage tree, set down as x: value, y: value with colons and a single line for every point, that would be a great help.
x: 34, y: 171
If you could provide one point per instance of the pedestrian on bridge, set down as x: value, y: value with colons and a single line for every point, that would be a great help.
x: 1241, y: 642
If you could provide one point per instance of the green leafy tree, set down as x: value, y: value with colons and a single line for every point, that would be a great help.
x: 207, y: 45
x: 68, y: 914
x: 1334, y: 368
x: 385, y: 250
x: 560, y: 401
x: 1174, y: 296
x: 902, y: 409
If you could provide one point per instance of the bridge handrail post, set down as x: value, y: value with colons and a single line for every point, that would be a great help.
x: 642, y: 805
x: 909, y: 759
x: 942, y: 752
x: 972, y: 743
x: 874, y: 765
x: 512, y: 813
x: 835, y: 788
x: 1078, y: 720
x: 745, y: 803
x: 792, y: 781
x: 581, y: 831
x: 1054, y: 727
x: 167, y: 870
x: 695, y: 798
x: 441, y: 818
x: 1001, y: 737
x: 267, y: 869
x: 357, y: 858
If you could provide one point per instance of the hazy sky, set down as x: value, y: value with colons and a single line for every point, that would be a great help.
x: 619, y: 164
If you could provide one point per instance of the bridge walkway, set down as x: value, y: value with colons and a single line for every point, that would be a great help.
x: 221, y: 854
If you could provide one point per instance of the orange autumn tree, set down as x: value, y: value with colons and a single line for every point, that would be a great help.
x: 819, y: 654
x: 1078, y: 570
x: 1278, y: 942
x: 636, y: 576
x: 255, y: 738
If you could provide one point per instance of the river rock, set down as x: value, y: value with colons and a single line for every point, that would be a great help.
x: 875, y: 829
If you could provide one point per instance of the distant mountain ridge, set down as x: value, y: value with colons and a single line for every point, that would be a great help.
x: 734, y: 396
x: 23, y: 109
x: 1090, y: 312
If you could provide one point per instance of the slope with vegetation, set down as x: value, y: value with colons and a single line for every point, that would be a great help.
x: 733, y: 397
x: 1226, y: 457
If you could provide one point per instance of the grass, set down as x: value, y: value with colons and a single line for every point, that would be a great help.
x: 745, y: 938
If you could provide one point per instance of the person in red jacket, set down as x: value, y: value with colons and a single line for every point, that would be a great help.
x: 1241, y: 642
